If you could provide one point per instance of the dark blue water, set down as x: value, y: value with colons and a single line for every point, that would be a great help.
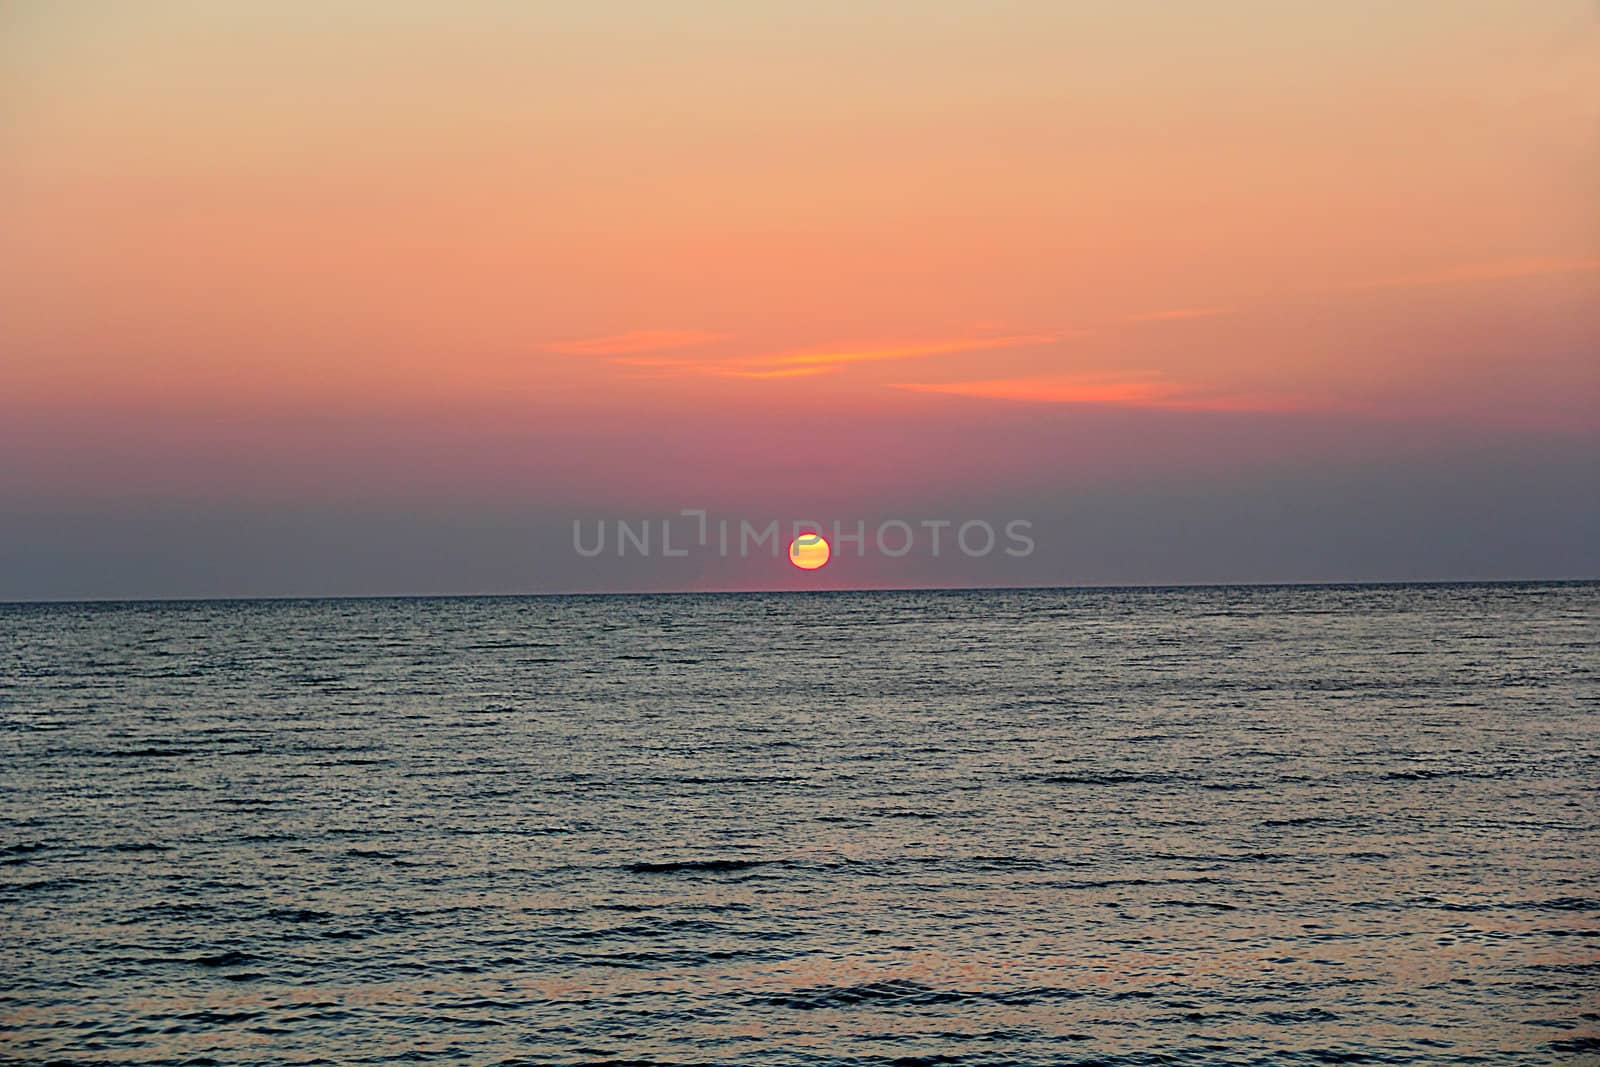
x: 1291, y: 825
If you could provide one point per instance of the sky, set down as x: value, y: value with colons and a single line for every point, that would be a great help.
x: 382, y: 298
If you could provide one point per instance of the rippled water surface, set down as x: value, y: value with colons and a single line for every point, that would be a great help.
x: 1291, y: 825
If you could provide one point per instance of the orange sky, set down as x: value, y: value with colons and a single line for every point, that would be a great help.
x: 295, y: 220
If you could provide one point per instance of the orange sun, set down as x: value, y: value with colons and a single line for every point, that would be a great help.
x: 808, y: 551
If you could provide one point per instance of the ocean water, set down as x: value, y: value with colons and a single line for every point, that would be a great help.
x: 1230, y: 826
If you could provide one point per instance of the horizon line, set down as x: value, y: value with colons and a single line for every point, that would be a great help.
x: 1109, y: 587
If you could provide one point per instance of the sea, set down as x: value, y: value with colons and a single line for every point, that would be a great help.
x: 1243, y: 825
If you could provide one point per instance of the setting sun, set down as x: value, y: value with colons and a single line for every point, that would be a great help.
x: 808, y: 551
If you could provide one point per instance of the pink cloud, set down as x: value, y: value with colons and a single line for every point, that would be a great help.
x: 1498, y: 270
x: 843, y: 354
x: 1144, y: 392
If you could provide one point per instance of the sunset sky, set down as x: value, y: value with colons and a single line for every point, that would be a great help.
x: 329, y: 298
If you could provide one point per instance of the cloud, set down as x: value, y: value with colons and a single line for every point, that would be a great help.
x: 811, y: 361
x: 656, y: 361
x: 1497, y: 270
x: 720, y: 370
x: 776, y: 372
x: 873, y: 353
x: 1055, y: 389
x: 1148, y: 391
x: 620, y: 344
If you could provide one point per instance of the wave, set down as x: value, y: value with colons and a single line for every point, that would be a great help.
x: 897, y: 992
x: 1103, y: 778
x: 709, y: 866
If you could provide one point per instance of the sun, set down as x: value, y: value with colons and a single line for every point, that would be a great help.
x: 808, y: 551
